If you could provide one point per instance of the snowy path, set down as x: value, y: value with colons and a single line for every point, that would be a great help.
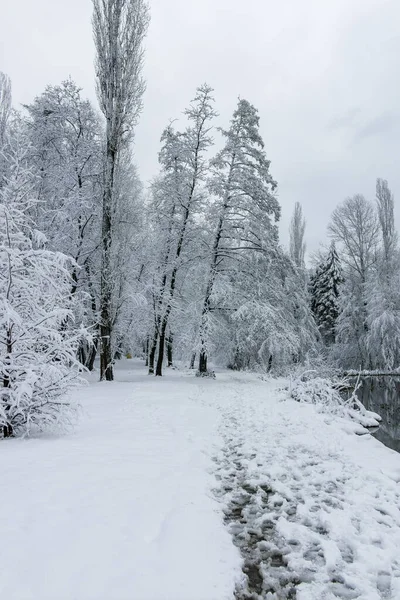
x: 313, y: 507
x: 124, y: 509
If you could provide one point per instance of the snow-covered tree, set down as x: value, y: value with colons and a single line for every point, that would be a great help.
x: 65, y: 154
x: 297, y: 230
x: 383, y: 320
x: 5, y: 105
x: 325, y: 289
x: 273, y: 323
x: 243, y: 208
x: 351, y: 348
x: 383, y: 289
x: 385, y: 205
x: 119, y: 28
x: 38, y: 339
x: 355, y: 228
x: 129, y: 257
x: 354, y: 225
x: 177, y: 199
x: 5, y: 112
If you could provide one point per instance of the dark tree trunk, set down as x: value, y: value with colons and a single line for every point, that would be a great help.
x: 192, y: 360
x: 91, y: 357
x: 74, y: 278
x: 7, y: 429
x: 81, y: 353
x: 161, y: 347
x: 169, y: 350
x: 152, y: 354
x: 146, y: 364
x: 203, y: 362
x: 94, y: 348
x: 106, y: 359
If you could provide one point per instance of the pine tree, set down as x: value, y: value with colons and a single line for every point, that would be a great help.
x: 325, y: 284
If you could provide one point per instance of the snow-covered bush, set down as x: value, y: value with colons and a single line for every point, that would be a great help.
x: 209, y: 374
x: 329, y: 395
x: 38, y: 340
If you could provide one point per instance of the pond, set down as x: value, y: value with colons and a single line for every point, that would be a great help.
x: 382, y: 395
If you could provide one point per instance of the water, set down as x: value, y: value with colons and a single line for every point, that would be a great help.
x: 382, y: 395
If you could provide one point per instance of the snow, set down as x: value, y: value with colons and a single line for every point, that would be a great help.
x: 169, y: 487
x: 123, y: 507
x: 332, y: 503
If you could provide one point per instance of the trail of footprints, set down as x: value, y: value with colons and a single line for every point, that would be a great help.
x: 266, y: 574
x: 251, y: 514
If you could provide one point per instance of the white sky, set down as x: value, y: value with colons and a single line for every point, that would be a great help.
x: 324, y: 75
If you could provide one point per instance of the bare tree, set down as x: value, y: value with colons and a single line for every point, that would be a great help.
x: 119, y: 27
x: 385, y: 204
x: 355, y: 226
x: 297, y: 229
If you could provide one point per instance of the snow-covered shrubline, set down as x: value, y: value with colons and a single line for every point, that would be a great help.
x: 169, y: 487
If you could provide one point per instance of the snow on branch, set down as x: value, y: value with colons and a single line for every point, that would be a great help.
x: 38, y: 335
x: 329, y: 396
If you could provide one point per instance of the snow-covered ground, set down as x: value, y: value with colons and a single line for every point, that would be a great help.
x: 169, y: 487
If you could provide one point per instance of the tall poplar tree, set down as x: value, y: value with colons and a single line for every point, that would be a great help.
x: 119, y: 28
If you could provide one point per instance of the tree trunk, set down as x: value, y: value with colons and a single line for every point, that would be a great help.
x: 82, y: 353
x: 7, y: 428
x: 169, y: 350
x: 146, y: 364
x: 106, y: 362
x: 152, y: 354
x: 203, y: 362
x: 91, y: 356
x: 161, y: 346
x: 204, y: 326
x: 192, y: 360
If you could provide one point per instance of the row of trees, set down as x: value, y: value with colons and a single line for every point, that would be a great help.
x: 194, y: 266
x: 69, y: 225
x: 355, y: 287
x: 92, y: 265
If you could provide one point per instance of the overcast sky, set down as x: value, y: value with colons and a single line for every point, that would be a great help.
x: 324, y: 75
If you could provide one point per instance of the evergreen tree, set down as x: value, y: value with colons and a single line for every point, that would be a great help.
x: 325, y: 285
